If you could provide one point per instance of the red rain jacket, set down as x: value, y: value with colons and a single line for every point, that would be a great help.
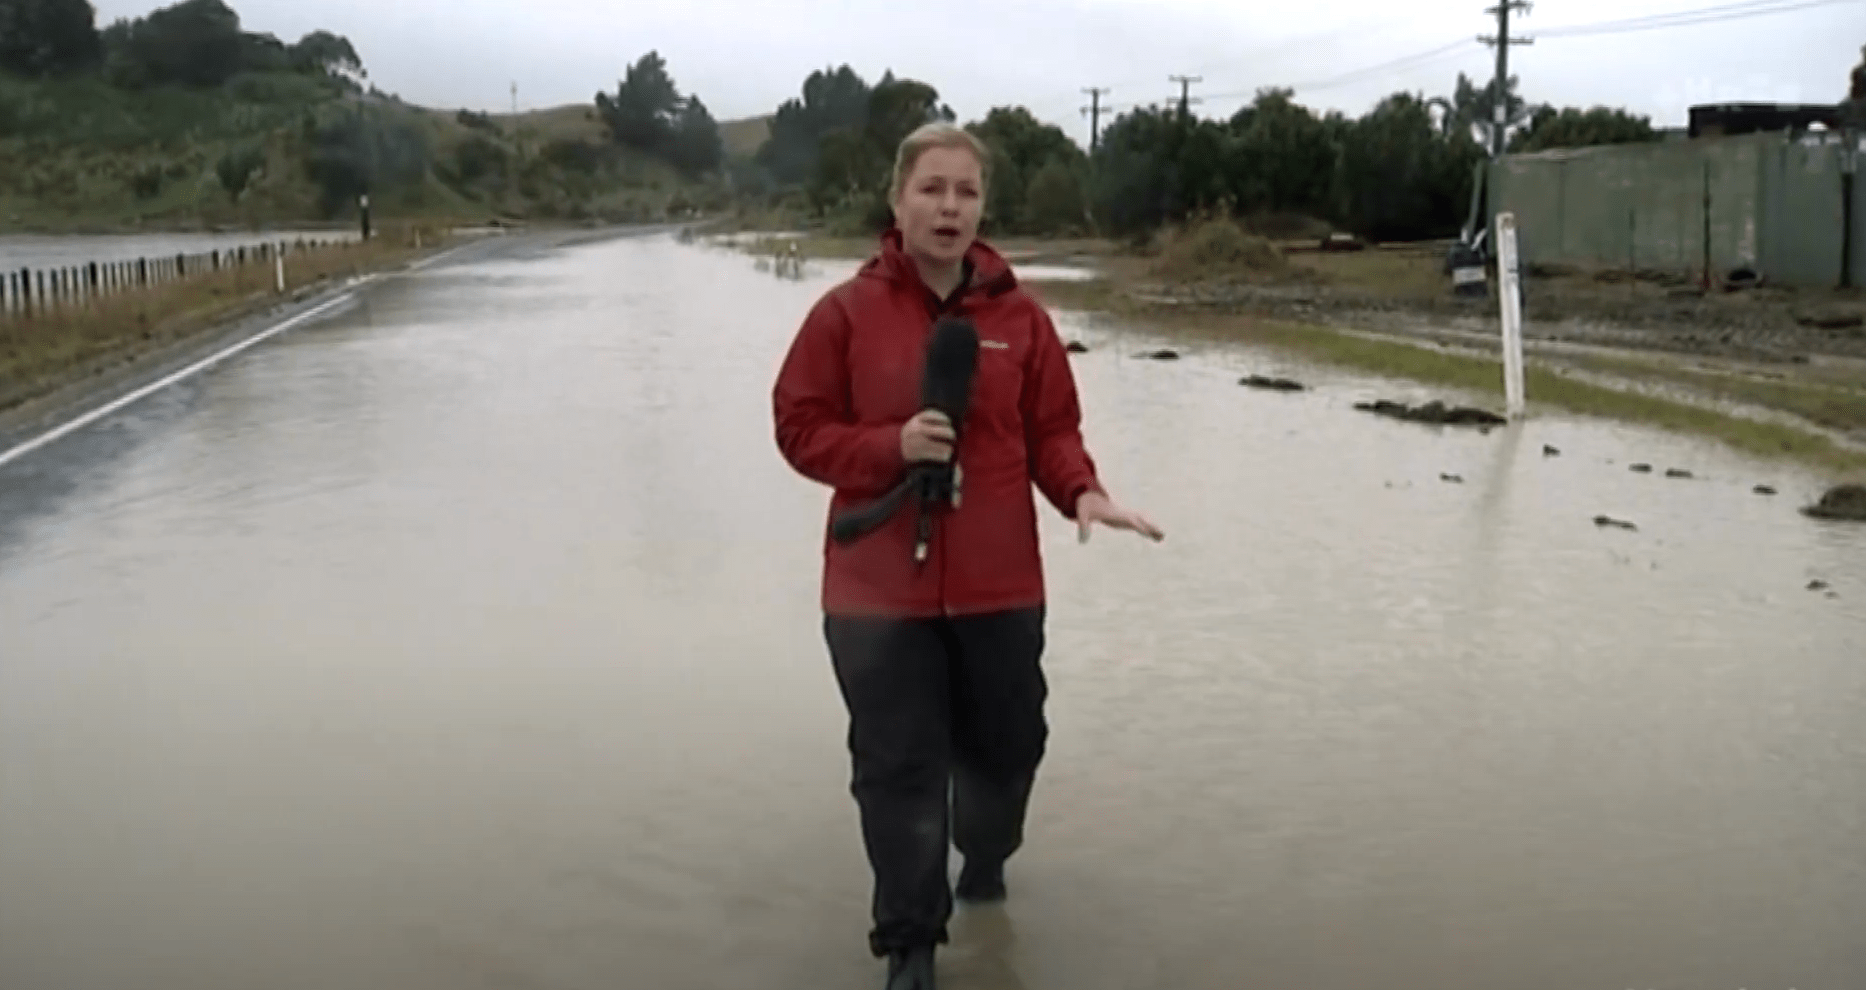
x: 850, y: 381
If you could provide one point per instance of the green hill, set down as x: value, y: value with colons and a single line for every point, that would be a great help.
x: 180, y: 119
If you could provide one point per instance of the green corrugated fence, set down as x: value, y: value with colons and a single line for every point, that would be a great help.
x: 1762, y: 201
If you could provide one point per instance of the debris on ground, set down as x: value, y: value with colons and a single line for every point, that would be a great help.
x: 1678, y: 473
x: 1435, y: 413
x: 1272, y: 384
x: 1606, y: 521
x: 1163, y: 354
x: 1077, y: 347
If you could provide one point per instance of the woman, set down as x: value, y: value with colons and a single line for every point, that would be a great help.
x: 938, y: 659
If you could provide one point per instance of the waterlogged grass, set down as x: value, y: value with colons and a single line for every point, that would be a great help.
x: 43, y: 353
x: 1831, y: 405
x: 1544, y: 384
x: 1548, y: 387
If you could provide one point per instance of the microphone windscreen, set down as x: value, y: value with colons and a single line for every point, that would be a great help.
x: 952, y: 358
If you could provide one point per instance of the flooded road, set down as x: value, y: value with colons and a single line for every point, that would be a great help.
x: 467, y: 639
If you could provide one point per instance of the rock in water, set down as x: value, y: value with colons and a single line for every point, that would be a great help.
x: 1817, y: 585
x: 1842, y: 502
x: 1641, y: 469
x: 1606, y: 521
x: 1763, y: 490
x: 1451, y: 479
x: 1272, y: 384
x: 1549, y: 450
x: 1678, y: 473
x: 1163, y: 354
x: 1077, y: 347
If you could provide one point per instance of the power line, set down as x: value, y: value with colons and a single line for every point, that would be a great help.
x: 1689, y: 18
x: 1413, y: 61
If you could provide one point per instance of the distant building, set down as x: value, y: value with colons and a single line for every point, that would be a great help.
x: 1732, y: 119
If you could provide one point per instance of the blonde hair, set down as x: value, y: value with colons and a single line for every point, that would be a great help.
x: 938, y: 134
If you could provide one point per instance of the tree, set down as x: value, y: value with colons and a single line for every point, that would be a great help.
x: 361, y: 153
x: 694, y: 146
x: 845, y: 170
x: 830, y: 100
x: 1282, y: 158
x: 196, y: 43
x: 235, y: 169
x: 1021, y: 147
x: 896, y: 108
x: 324, y: 53
x: 641, y: 115
x: 1853, y: 108
x: 1472, y: 109
x: 1054, y: 202
x: 1401, y: 177
x: 1574, y: 128
x: 48, y: 37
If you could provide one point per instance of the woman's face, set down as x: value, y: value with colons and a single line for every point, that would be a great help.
x: 939, y: 205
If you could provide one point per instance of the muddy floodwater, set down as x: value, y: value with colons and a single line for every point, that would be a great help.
x: 467, y: 639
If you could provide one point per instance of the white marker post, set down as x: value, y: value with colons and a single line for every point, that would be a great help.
x: 1509, y: 293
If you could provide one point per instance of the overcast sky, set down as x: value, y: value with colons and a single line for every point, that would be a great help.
x: 744, y: 58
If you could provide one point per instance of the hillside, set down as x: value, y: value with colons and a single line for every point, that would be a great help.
x: 284, y: 148
x: 743, y: 138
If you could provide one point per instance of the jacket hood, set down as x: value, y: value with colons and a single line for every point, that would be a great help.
x: 991, y: 273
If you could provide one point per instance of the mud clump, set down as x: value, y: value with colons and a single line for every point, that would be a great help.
x: 1272, y: 384
x: 1433, y: 413
x: 1846, y: 502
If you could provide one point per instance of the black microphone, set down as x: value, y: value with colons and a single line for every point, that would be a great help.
x: 945, y: 386
x: 952, y: 359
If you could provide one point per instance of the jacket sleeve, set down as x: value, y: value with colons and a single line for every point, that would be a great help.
x: 1060, y: 464
x: 816, y: 428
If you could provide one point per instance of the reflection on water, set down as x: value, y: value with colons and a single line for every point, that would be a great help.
x: 468, y: 640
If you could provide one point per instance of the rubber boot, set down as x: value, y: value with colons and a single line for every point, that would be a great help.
x: 981, y: 883
x: 911, y: 969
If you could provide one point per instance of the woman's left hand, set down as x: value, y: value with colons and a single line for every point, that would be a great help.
x: 1094, y: 507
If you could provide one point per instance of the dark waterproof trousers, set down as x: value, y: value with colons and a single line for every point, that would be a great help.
x: 940, y: 710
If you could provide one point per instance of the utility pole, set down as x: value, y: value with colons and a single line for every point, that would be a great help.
x: 1500, y: 111
x: 1094, y: 112
x: 1185, y: 88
